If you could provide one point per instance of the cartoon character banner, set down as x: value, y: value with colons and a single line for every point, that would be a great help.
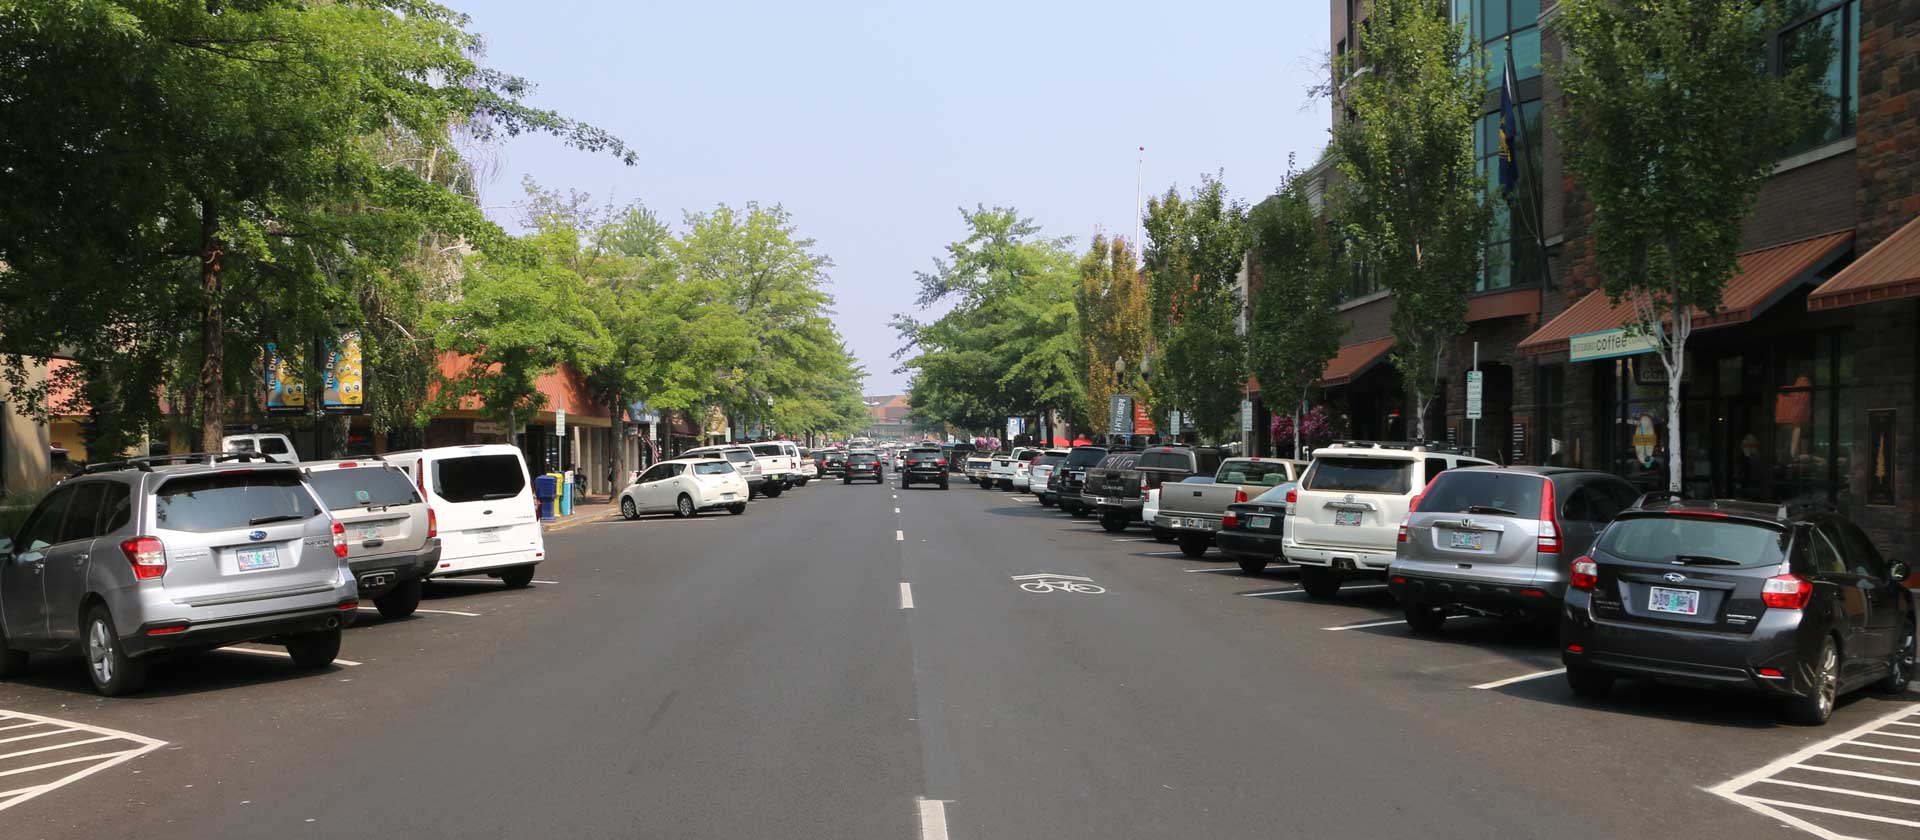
x: 286, y: 385
x: 345, y: 391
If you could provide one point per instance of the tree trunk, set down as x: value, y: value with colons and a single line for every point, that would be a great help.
x: 213, y: 390
x: 619, y: 447
x: 1674, y: 356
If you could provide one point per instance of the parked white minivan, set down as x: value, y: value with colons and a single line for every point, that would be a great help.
x: 277, y: 447
x: 483, y: 500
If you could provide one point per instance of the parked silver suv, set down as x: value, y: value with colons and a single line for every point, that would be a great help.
x: 393, y: 537
x: 137, y: 558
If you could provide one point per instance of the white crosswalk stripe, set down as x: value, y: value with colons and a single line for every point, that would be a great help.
x: 41, y: 754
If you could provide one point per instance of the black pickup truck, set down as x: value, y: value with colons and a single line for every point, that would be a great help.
x: 1118, y: 487
x: 1064, y: 484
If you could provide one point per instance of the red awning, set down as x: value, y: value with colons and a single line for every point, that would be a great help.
x: 1765, y: 276
x: 1354, y: 360
x: 1891, y: 271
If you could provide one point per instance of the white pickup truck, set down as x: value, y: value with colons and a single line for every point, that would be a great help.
x: 980, y: 468
x: 1000, y: 473
x: 1191, y: 510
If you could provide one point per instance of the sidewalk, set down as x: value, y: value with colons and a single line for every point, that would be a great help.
x: 586, y: 509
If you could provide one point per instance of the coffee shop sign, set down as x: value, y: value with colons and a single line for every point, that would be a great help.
x: 1610, y: 344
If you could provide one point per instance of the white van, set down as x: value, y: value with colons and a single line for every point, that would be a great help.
x: 483, y: 500
x: 277, y: 447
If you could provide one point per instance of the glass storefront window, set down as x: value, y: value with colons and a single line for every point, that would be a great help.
x: 1824, y: 38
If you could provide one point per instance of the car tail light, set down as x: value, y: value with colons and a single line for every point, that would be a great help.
x: 1239, y: 496
x: 1533, y: 593
x: 1773, y: 674
x: 167, y: 630
x: 1787, y: 592
x: 1228, y: 520
x: 1576, y: 648
x: 940, y: 462
x: 433, y: 524
x: 1549, y: 521
x: 1293, y: 496
x: 347, y: 465
x: 1403, y: 534
x: 148, y: 556
x: 1143, y: 485
x: 1397, y: 579
x: 339, y: 539
x: 1586, y: 574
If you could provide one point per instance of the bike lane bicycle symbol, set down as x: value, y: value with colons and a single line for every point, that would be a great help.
x: 1045, y: 582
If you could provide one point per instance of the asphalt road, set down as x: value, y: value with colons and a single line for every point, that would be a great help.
x: 759, y: 676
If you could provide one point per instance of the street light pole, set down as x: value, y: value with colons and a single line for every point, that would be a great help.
x: 1138, y: 168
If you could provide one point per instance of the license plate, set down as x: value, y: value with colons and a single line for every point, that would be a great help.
x: 1259, y: 521
x: 1681, y: 601
x: 1468, y: 540
x: 370, y: 532
x: 1198, y: 523
x: 726, y: 497
x: 487, y: 535
x: 1346, y: 517
x: 1077, y: 476
x: 255, y: 559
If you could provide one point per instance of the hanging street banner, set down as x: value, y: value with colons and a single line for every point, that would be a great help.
x: 286, y: 386
x: 1142, y: 424
x: 345, y: 391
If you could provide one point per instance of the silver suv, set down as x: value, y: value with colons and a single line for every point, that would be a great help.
x: 393, y: 537
x: 134, y: 559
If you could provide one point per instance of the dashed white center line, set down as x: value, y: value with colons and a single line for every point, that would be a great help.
x: 896, y: 510
x: 899, y: 536
x: 933, y: 819
x: 906, y: 595
x: 1522, y: 678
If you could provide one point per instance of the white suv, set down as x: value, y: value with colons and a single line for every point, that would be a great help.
x: 1344, y: 519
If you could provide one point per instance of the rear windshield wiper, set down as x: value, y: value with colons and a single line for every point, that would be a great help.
x: 1703, y: 560
x: 1491, y: 509
x: 280, y: 517
x: 493, y: 496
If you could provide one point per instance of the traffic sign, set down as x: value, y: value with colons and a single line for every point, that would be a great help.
x: 1473, y: 395
x: 560, y: 422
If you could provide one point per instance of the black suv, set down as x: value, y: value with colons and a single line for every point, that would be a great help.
x: 1068, y: 479
x: 924, y: 464
x: 1784, y: 601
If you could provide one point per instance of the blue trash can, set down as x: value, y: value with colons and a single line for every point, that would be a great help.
x: 545, y: 487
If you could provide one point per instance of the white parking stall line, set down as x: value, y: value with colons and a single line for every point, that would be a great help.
x: 933, y: 819
x: 546, y: 582
x: 1368, y: 624
x: 906, y: 595
x: 1886, y: 746
x: 1760, y: 804
x: 1196, y: 571
x: 1844, y: 791
x: 1522, y: 678
x: 1849, y: 746
x: 1272, y: 592
x: 1892, y: 780
x: 1873, y: 759
x: 1133, y: 539
x: 279, y: 654
x: 53, y: 766
x: 1169, y: 554
x: 429, y: 612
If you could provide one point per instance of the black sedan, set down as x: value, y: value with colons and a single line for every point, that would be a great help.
x: 863, y: 465
x: 832, y: 462
x: 1784, y: 602
x: 1250, y: 531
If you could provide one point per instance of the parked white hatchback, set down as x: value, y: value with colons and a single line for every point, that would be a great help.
x: 685, y: 487
x: 483, y: 501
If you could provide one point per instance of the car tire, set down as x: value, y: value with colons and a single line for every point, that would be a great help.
x: 401, y: 601
x: 313, y: 651
x: 1319, y: 582
x: 1163, y: 535
x: 114, y: 673
x: 13, y: 663
x: 773, y: 491
x: 1424, y: 619
x: 1589, y: 683
x: 904, y: 483
x: 943, y: 484
x: 1113, y: 523
x: 1817, y: 706
x: 1194, y: 547
x: 1080, y: 513
x: 1900, y: 671
x: 737, y: 508
x: 846, y: 481
x: 1252, y: 565
x: 628, y: 510
x: 683, y: 506
x: 1046, y: 501
x: 517, y: 577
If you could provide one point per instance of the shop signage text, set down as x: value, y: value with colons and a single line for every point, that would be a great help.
x: 1608, y: 344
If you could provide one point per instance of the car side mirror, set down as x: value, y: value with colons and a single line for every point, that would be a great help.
x: 6, y: 549
x: 1898, y: 572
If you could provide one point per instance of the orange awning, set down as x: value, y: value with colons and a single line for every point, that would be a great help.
x: 1353, y: 360
x: 1765, y: 276
x: 1891, y: 271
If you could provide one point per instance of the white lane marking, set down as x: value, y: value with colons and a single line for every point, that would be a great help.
x: 1522, y: 678
x: 1870, y: 758
x: 1880, y: 796
x: 18, y: 726
x: 1378, y: 624
x: 1192, y: 571
x: 546, y: 582
x: 18, y: 753
x: 48, y: 734
x: 1272, y: 592
x: 933, y: 819
x: 429, y: 612
x: 1051, y: 575
x: 1897, y: 735
x: 1759, y: 804
x: 906, y: 595
x: 87, y: 765
x: 281, y: 654
x: 896, y: 510
x: 1884, y: 746
x: 1903, y: 723
x: 1730, y: 789
x: 1133, y: 539
x: 1895, y: 780
x: 899, y: 536
x: 896, y: 495
x: 62, y: 763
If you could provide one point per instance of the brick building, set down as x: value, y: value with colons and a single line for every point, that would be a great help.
x: 1801, y: 387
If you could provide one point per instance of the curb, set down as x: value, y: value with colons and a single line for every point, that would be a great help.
x: 574, y: 521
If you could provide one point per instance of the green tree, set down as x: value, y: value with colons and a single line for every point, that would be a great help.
x: 1672, y: 123
x: 208, y: 159
x: 1413, y: 208
x: 1195, y: 248
x: 1114, y: 327
x: 1295, y: 328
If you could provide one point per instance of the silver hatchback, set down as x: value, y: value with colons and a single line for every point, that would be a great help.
x: 134, y: 559
x: 1499, y: 541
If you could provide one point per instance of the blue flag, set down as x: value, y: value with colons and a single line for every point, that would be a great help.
x: 1510, y: 129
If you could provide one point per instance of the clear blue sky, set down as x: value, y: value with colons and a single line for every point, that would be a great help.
x: 873, y: 121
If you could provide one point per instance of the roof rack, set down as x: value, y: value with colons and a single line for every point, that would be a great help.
x: 148, y: 462
x: 1659, y: 496
x: 1404, y: 445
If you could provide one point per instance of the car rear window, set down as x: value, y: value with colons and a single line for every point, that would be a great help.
x: 1049, y: 459
x: 362, y: 487
x: 228, y: 500
x: 1166, y: 461
x: 1269, y: 473
x: 1503, y: 494
x: 713, y: 468
x: 769, y: 449
x: 475, y: 478
x: 1360, y: 475
x: 863, y: 459
x: 739, y: 456
x: 924, y: 453
x: 1084, y: 457
x: 1690, y: 540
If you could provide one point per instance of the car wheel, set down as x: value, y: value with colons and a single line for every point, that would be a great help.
x: 1081, y: 513
x: 1589, y: 683
x: 943, y: 484
x: 1113, y: 522
x: 1319, y: 582
x: 904, y: 483
x: 1163, y: 535
x: 846, y: 481
x: 683, y: 507
x: 313, y: 651
x: 1194, y: 546
x: 1899, y: 673
x: 114, y: 673
x: 1252, y: 565
x: 401, y: 602
x: 737, y: 508
x: 1046, y: 501
x: 1424, y: 619
x: 13, y: 663
x: 517, y: 577
x: 627, y: 509
x: 1817, y: 706
x: 773, y: 491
